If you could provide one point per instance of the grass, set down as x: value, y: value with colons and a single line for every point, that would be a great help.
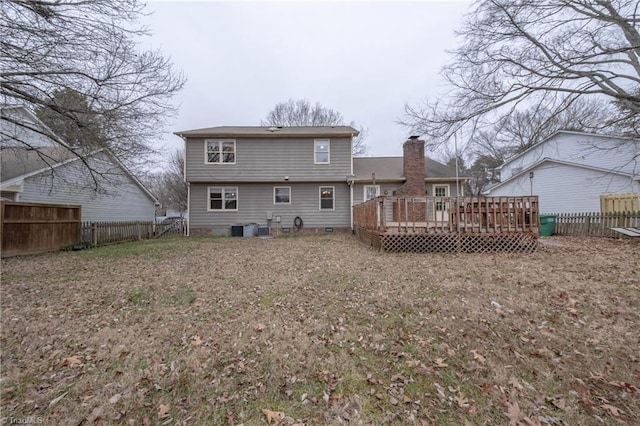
x: 324, y: 330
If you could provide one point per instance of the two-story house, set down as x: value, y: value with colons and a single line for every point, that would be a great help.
x: 291, y: 178
x: 570, y: 170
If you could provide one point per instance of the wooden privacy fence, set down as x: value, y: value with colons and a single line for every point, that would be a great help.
x: 27, y: 228
x: 595, y: 224
x: 629, y: 202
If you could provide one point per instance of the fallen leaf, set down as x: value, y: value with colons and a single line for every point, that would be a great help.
x: 440, y: 363
x: 440, y: 390
x: 406, y: 399
x: 163, y: 411
x: 54, y: 401
x: 412, y: 363
x: 259, y: 327
x: 196, y: 340
x: 560, y: 403
x: 274, y: 416
x: 461, y: 401
x: 615, y: 411
x: 478, y: 357
x: 515, y: 383
x: 72, y: 361
x: 95, y: 415
x: 513, y: 413
x: 115, y: 398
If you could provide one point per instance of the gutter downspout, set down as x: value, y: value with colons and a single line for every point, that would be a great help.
x: 184, y: 176
x: 350, y: 183
x: 351, y: 209
x: 188, y: 207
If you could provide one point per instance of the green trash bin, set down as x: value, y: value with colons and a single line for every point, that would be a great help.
x: 547, y: 224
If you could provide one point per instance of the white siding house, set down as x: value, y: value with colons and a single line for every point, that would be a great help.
x: 570, y: 170
x: 37, y: 167
x: 109, y: 192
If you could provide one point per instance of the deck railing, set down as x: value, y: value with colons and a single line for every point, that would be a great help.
x: 463, y: 215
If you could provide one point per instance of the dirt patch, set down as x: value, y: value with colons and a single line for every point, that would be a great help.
x: 321, y: 329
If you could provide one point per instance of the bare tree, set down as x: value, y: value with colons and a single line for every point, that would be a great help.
x: 522, y: 129
x: 300, y: 112
x: 175, y: 187
x: 90, y: 49
x: 515, y: 133
x: 168, y: 185
x: 543, y: 53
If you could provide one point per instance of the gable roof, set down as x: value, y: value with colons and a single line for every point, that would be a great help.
x: 23, y: 128
x: 390, y: 169
x: 561, y: 162
x: 270, y: 131
x: 17, y: 164
x: 569, y: 132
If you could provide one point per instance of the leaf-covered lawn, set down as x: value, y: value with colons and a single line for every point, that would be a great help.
x: 322, y: 330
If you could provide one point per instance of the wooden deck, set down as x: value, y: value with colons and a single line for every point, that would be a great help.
x: 449, y: 223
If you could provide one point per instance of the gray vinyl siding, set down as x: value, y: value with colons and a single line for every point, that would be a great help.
x: 358, y: 189
x: 259, y: 160
x: 567, y: 189
x: 119, y: 197
x: 256, y: 199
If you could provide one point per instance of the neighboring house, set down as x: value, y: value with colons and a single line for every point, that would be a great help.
x: 52, y: 173
x: 297, y: 178
x: 19, y: 127
x: 570, y: 170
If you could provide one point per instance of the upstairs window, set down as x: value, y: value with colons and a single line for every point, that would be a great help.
x: 321, y: 151
x: 223, y: 198
x: 326, y: 197
x: 220, y: 151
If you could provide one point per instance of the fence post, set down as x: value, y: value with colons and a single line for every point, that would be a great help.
x: 94, y: 234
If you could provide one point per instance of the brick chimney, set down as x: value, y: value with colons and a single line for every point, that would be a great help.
x: 413, y: 168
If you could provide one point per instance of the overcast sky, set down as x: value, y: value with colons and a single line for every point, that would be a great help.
x: 362, y: 59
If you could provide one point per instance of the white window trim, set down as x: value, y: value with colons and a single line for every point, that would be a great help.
x: 333, y: 191
x: 441, y: 184
x: 223, y: 209
x: 219, y: 141
x: 274, y: 194
x: 364, y: 191
x: 328, y: 151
